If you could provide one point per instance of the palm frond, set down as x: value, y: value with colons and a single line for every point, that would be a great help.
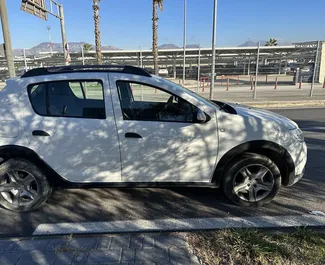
x: 160, y: 4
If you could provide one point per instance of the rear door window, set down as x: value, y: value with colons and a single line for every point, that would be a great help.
x: 78, y: 99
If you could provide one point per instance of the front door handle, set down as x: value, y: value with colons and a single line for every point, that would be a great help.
x: 132, y: 135
x: 40, y: 133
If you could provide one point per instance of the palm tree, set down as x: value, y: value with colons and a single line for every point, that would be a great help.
x: 155, y: 3
x: 272, y: 42
x: 97, y: 31
x: 87, y: 47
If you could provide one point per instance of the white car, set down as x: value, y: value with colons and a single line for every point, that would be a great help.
x: 119, y: 126
x: 163, y: 72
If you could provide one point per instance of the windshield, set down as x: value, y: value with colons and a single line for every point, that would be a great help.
x: 189, y: 91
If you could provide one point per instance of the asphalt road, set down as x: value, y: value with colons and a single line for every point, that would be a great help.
x: 129, y: 204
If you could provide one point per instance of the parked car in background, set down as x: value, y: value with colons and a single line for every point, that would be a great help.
x: 163, y: 72
x: 119, y: 126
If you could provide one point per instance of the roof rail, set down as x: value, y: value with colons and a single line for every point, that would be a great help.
x: 86, y: 68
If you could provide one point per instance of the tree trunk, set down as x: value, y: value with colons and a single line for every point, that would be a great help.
x: 155, y: 36
x: 97, y: 32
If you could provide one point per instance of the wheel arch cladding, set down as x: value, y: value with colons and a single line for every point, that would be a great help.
x: 278, y: 154
x: 14, y: 151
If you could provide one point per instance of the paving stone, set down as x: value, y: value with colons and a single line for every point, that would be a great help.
x: 7, y: 245
x: 128, y: 255
x: 148, y: 241
x: 136, y: 242
x: 169, y: 241
x: 120, y: 242
x: 56, y: 244
x: 104, y: 243
x: 83, y: 243
x: 28, y: 244
x: 182, y: 256
x: 11, y: 258
x: 63, y: 258
x: 36, y: 258
x: 80, y: 259
x: 151, y: 255
x: 104, y: 256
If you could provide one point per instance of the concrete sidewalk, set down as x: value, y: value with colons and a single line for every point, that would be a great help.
x: 135, y: 249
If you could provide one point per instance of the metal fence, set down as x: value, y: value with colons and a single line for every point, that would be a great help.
x: 236, y: 67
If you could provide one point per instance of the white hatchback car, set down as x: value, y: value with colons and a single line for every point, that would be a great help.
x: 119, y: 126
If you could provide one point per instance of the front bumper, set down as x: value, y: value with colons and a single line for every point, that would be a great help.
x: 298, y: 153
x: 295, y: 178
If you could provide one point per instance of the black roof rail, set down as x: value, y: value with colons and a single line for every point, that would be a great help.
x: 86, y: 68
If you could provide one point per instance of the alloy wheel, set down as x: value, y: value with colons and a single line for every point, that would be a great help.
x: 19, y: 188
x: 253, y: 182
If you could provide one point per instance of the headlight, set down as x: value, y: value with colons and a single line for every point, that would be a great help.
x: 297, y: 133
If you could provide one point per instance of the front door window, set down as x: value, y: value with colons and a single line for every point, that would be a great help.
x: 146, y: 103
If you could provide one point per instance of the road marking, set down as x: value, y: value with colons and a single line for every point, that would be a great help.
x: 179, y: 224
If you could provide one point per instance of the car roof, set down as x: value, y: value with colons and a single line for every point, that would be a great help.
x: 86, y: 68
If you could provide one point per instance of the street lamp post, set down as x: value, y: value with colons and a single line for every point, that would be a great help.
x: 50, y: 39
x: 184, y: 43
x: 213, y: 47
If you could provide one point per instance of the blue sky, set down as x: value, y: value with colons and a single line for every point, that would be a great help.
x: 127, y: 23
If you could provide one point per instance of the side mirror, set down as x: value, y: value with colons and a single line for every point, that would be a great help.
x: 201, y: 117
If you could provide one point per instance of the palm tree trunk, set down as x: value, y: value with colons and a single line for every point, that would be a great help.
x: 155, y: 36
x: 97, y: 32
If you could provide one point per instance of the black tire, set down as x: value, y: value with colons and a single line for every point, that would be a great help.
x: 40, y: 181
x: 239, y: 163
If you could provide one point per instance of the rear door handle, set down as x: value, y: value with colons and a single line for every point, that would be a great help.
x: 40, y: 133
x: 132, y: 135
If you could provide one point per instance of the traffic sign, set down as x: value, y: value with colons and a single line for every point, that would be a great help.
x: 35, y: 7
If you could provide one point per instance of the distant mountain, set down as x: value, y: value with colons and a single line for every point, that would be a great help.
x: 173, y: 46
x: 192, y: 46
x: 262, y: 43
x: 252, y: 43
x: 57, y: 47
x: 168, y: 46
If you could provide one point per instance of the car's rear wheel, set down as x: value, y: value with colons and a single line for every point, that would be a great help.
x: 23, y: 186
x: 251, y: 180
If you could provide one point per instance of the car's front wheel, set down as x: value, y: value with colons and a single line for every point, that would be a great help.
x: 251, y: 180
x: 23, y: 186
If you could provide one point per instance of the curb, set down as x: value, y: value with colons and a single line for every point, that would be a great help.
x: 284, y: 104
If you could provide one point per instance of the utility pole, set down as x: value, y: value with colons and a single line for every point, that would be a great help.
x: 6, y: 38
x: 184, y: 43
x: 213, y: 47
x: 25, y: 60
x: 64, y: 37
x: 315, y: 70
x: 198, y: 71
x: 83, y: 55
x: 141, y: 63
x: 256, y: 71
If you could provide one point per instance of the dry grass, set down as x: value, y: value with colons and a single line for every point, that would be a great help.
x: 247, y: 246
